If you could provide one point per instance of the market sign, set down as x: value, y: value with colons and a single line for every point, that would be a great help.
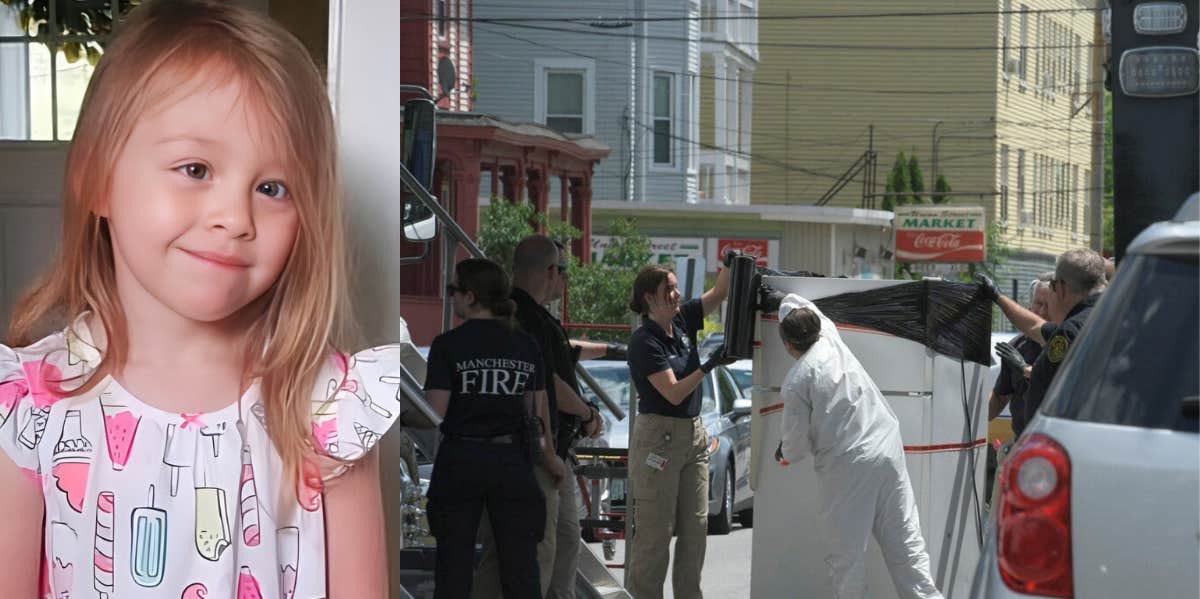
x: 940, y: 234
x: 1160, y: 71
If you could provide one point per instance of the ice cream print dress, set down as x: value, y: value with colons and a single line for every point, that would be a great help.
x: 143, y: 503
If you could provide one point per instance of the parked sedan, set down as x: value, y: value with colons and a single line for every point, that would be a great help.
x: 726, y: 414
x: 1098, y: 496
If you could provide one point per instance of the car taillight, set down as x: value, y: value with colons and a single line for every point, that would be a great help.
x: 1035, y: 518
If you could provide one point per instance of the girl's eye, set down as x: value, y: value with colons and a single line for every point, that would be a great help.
x: 194, y: 170
x: 273, y: 189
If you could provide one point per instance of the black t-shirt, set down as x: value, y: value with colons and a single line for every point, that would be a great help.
x: 1014, y: 384
x: 651, y: 351
x: 487, y: 367
x: 1055, y: 351
x: 557, y: 357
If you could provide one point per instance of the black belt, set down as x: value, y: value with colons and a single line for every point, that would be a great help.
x: 509, y: 439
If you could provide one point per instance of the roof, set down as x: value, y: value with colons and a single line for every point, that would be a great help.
x: 486, y: 126
x: 768, y: 212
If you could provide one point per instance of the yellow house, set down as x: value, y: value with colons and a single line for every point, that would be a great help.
x: 998, y: 97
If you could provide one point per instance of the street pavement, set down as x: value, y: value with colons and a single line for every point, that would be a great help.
x: 726, y: 564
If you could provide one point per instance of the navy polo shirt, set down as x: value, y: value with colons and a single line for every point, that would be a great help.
x: 1058, y: 344
x: 488, y: 367
x: 651, y: 351
x: 1014, y: 384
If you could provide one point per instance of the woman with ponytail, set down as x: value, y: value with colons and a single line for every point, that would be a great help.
x: 485, y: 378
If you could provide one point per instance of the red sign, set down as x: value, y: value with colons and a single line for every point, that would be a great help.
x: 939, y: 246
x: 940, y: 234
x: 750, y: 247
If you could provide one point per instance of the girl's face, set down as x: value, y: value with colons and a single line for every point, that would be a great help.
x: 200, y: 214
x: 665, y: 302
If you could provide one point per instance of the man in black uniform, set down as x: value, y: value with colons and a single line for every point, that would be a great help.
x: 539, y: 277
x: 1078, y: 282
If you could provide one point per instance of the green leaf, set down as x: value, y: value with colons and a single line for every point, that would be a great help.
x: 73, y: 51
x: 93, y: 55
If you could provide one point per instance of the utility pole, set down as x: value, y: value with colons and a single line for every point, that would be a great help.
x: 1099, y: 120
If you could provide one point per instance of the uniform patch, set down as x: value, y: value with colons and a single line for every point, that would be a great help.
x: 1057, y: 349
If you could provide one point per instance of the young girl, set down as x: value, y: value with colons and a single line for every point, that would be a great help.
x: 180, y: 432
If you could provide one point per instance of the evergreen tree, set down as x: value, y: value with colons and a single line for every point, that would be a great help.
x: 941, y: 187
x: 916, y: 179
x: 898, y: 181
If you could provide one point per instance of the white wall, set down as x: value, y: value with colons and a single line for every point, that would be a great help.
x: 364, y: 80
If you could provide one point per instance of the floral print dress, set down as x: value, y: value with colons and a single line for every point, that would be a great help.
x: 143, y: 503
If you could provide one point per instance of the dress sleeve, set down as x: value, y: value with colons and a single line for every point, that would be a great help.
x: 356, y: 402
x: 22, y: 418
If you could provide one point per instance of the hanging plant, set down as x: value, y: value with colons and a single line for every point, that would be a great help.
x: 84, y: 18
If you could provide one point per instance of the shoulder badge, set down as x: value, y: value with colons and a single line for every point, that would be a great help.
x: 1057, y: 349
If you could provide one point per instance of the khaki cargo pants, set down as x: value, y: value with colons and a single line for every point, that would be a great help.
x: 669, y: 501
x: 557, y: 553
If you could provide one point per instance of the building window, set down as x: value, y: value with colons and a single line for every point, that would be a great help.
x: 664, y: 96
x: 708, y: 13
x: 46, y: 64
x: 1075, y: 77
x: 706, y: 182
x: 1003, y: 183
x: 1024, y: 51
x: 1087, y: 185
x: 564, y: 101
x: 443, y: 17
x: 1021, y: 186
x: 1006, y: 37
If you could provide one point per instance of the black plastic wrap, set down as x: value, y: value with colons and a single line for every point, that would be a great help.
x: 953, y: 319
x: 739, y: 315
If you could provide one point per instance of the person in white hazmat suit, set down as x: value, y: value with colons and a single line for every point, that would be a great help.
x: 833, y: 411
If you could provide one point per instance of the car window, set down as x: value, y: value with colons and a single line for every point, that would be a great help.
x: 729, y: 391
x: 615, y: 381
x: 708, y: 401
x: 1135, y: 365
x: 744, y: 379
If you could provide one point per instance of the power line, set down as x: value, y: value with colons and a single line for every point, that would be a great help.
x: 701, y: 16
x: 803, y: 45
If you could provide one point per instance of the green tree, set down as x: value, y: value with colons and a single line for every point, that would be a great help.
x: 599, y: 292
x: 916, y: 179
x: 898, y: 182
x: 504, y: 224
x: 941, y: 188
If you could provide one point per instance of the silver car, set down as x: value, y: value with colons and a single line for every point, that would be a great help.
x: 1099, y: 493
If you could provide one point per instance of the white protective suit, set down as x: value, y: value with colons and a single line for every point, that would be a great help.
x: 833, y: 410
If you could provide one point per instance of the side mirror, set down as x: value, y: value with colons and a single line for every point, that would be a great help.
x: 741, y: 409
x: 419, y: 141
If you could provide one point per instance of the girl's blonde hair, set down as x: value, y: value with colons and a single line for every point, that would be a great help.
x: 157, y: 55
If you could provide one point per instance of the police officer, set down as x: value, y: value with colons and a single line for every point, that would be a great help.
x: 486, y: 378
x: 1016, y: 358
x: 539, y: 277
x: 668, y: 452
x: 1078, y: 282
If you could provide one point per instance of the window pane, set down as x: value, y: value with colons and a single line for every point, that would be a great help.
x: 1107, y: 377
x: 14, y: 83
x: 662, y: 96
x: 72, y: 84
x: 565, y: 124
x: 662, y: 141
x: 564, y: 93
x: 41, y: 126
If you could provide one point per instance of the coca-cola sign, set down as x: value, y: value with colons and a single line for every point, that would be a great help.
x: 940, y: 234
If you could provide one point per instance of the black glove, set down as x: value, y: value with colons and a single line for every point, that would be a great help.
x: 616, y: 351
x: 779, y: 452
x: 717, y: 358
x: 727, y: 259
x: 769, y: 299
x: 991, y: 291
x: 1009, y: 355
